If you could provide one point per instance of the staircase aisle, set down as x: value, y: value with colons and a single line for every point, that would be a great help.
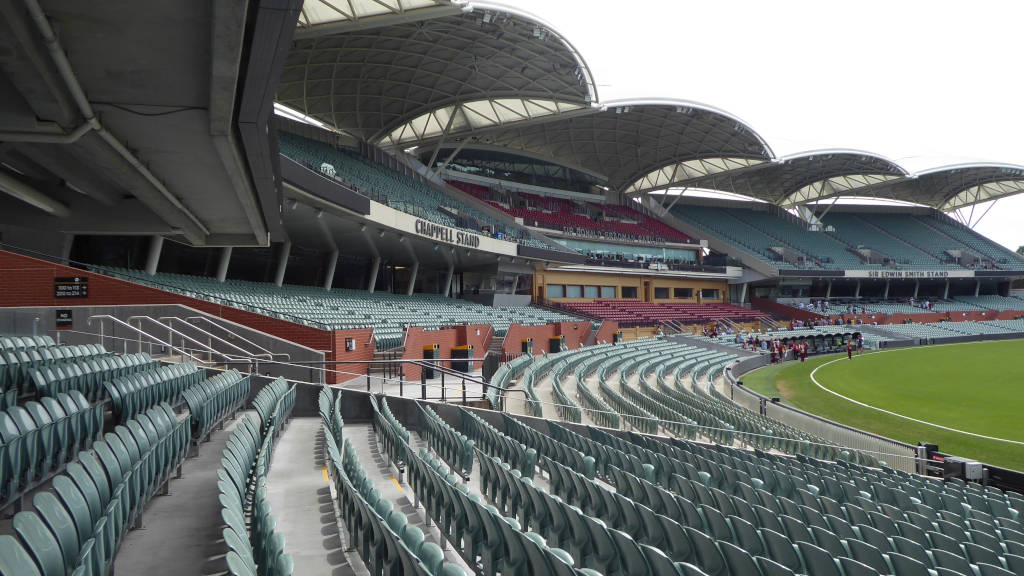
x: 300, y: 500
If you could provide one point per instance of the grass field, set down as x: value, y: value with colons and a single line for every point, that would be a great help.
x: 977, y: 387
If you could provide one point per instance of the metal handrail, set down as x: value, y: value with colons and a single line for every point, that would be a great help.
x: 184, y: 336
x: 141, y: 332
x: 240, y: 337
x: 171, y: 319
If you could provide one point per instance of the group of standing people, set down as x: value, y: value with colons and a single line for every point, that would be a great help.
x: 780, y: 351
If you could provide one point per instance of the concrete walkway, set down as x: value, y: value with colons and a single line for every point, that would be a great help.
x: 181, y: 532
x: 300, y: 501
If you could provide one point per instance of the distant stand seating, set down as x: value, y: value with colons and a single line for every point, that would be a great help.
x: 576, y: 218
x: 400, y: 191
x: 633, y: 313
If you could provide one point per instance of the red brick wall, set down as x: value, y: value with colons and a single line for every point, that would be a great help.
x: 575, y: 334
x: 364, y: 351
x: 446, y: 338
x: 26, y: 281
x: 604, y: 333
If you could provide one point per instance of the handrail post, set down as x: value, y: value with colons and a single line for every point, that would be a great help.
x: 423, y: 383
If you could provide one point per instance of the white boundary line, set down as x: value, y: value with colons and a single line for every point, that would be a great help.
x: 932, y: 424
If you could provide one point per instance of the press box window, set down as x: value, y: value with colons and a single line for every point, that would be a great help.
x: 660, y: 293
x: 556, y: 291
x: 682, y: 292
x: 574, y: 291
x: 607, y: 291
x: 709, y: 293
x: 629, y: 291
x: 591, y: 292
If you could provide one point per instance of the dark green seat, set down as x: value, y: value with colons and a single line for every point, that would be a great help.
x: 868, y: 555
x: 945, y: 559
x: 817, y: 560
x: 985, y: 569
x: 780, y: 550
x: 706, y: 554
x: 771, y: 568
x: 738, y: 560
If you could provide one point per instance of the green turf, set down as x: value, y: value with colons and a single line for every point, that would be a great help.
x: 977, y: 387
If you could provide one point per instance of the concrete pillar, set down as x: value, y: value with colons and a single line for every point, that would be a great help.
x: 222, y: 265
x: 886, y: 296
x: 373, y: 274
x: 977, y: 287
x: 282, y: 262
x: 447, y: 290
x: 332, y: 265
x: 65, y: 248
x: 828, y: 291
x: 743, y: 292
x: 156, y: 245
x: 856, y: 294
x: 412, y: 278
x: 917, y: 285
x: 945, y: 295
x: 515, y: 283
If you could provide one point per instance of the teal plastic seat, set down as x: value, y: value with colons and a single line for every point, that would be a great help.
x: 60, y: 523
x: 817, y: 560
x: 769, y: 567
x: 15, y: 560
x: 706, y: 554
x: 780, y: 550
x: 955, y: 562
x: 738, y: 560
x: 868, y: 555
x: 40, y: 543
x: 906, y: 566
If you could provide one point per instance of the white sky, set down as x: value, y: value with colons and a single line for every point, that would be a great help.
x: 923, y: 83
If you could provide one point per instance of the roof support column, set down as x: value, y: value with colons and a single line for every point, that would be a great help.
x: 156, y: 245
x: 222, y: 265
x: 282, y: 262
x: 332, y: 265
x: 412, y: 278
x: 917, y: 285
x: 945, y: 294
x: 856, y: 294
x: 886, y: 295
x: 743, y: 292
x: 450, y: 157
x: 448, y: 280
x: 977, y: 287
x: 444, y: 134
x: 828, y: 291
x: 374, y: 268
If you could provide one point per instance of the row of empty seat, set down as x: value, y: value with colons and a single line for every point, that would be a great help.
x: 633, y: 313
x: 577, y: 217
x: 77, y: 528
x: 401, y: 191
x: 338, y: 309
x: 254, y: 547
x: 851, y: 240
x: 377, y: 530
x: 731, y: 511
